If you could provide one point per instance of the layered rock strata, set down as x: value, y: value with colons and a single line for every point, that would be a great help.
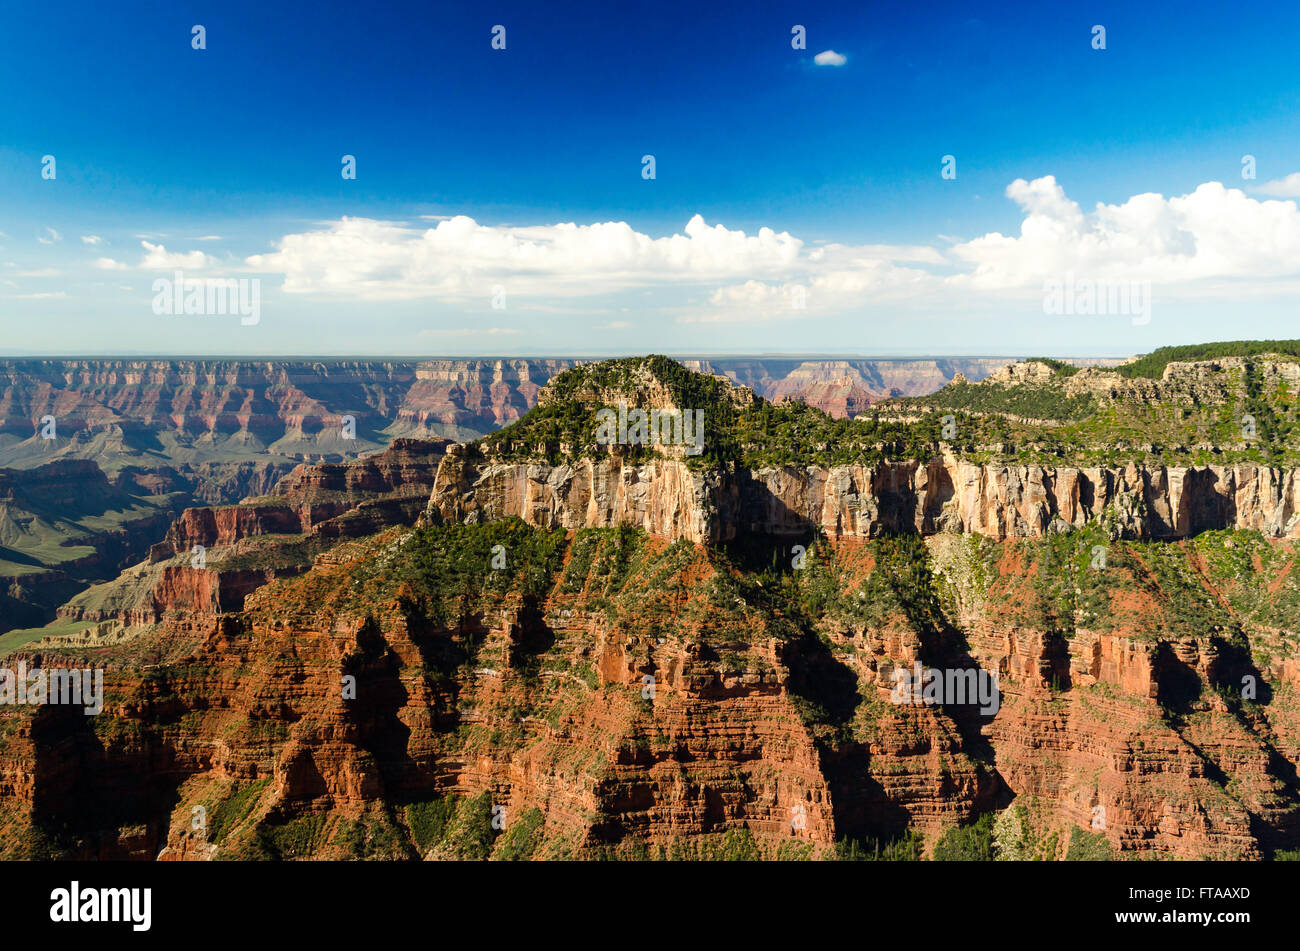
x: 668, y: 497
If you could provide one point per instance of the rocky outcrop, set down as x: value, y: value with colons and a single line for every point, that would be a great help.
x: 380, y: 490
x: 407, y: 466
x: 667, y: 497
x: 1186, y: 384
x: 1151, y: 502
x: 663, y: 497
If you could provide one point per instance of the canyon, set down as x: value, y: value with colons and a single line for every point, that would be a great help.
x: 289, y: 406
x: 640, y: 656
x: 180, y: 432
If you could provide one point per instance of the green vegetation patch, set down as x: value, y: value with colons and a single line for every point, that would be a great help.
x: 1026, y: 400
x: 234, y: 809
x: 521, y: 838
x: 1152, y: 365
x: 427, y: 820
x: 968, y: 843
x: 450, y: 565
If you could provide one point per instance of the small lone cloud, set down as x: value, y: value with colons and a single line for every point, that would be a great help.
x: 158, y: 258
x: 92, y: 239
x: 51, y: 236
x: 830, y: 58
x: 108, y: 264
x: 1288, y: 187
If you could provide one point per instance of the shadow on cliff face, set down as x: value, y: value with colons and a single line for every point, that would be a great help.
x: 945, y: 648
x: 1056, y: 661
x: 529, y: 638
x: 1178, y: 685
x: 1283, y: 832
x: 939, y: 492
x: 826, y: 693
x: 897, y: 501
x: 760, y: 554
x: 1234, y: 676
x: 111, y: 800
x: 1207, y: 508
x: 113, y: 796
x: 447, y: 652
x: 764, y: 528
x: 828, y: 689
x: 905, y: 565
x: 380, y: 697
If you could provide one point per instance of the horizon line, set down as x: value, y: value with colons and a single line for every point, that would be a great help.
x: 677, y: 355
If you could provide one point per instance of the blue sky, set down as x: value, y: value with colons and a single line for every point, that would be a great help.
x: 225, y: 162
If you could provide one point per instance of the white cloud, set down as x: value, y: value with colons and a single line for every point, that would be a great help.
x: 863, y: 283
x: 1213, y: 241
x: 108, y: 264
x: 42, y: 296
x: 92, y: 239
x: 459, y: 258
x: 1288, y: 187
x: 830, y: 58
x: 51, y: 236
x: 39, y: 272
x: 1214, y: 232
x: 158, y: 258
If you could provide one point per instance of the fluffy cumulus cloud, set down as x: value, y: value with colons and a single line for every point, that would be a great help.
x: 459, y: 257
x: 830, y: 58
x: 1213, y: 235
